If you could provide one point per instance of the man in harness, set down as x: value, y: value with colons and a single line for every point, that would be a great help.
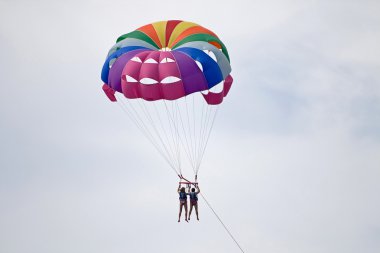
x: 194, y: 200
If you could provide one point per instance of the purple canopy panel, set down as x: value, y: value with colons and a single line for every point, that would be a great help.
x: 192, y: 77
x: 114, y: 77
x: 217, y: 98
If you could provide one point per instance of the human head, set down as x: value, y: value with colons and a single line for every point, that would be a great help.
x: 183, y: 189
x: 192, y: 189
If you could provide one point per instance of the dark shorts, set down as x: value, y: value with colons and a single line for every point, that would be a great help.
x: 193, y: 202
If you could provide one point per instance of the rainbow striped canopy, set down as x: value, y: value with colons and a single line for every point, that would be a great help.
x: 167, y: 60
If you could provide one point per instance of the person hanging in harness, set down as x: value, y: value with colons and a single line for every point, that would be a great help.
x: 182, y: 201
x: 194, y: 200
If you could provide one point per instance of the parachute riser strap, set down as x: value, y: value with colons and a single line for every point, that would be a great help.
x: 187, y: 181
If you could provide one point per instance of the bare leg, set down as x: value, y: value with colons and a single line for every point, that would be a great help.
x: 185, y: 211
x: 191, y: 209
x: 196, y: 210
x: 180, y: 211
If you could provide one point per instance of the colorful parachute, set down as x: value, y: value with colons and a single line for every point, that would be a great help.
x: 156, y: 68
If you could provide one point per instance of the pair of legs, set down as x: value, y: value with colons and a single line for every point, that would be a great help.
x: 195, y: 205
x: 181, y: 205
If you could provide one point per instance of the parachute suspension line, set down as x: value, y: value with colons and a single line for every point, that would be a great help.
x: 207, y: 138
x: 178, y: 140
x: 144, y: 129
x: 209, y: 134
x: 190, y: 137
x: 204, y: 127
x: 167, y: 155
x: 221, y: 222
x: 187, y: 138
x: 173, y: 120
x: 172, y: 149
x: 174, y: 135
x: 150, y: 137
x: 176, y: 112
x: 195, y: 137
x: 141, y: 126
x: 187, y: 147
x: 200, y: 130
x: 192, y: 127
x: 143, y: 108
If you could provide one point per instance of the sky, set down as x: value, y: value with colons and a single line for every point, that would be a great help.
x: 292, y: 165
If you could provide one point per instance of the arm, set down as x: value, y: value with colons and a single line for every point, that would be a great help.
x: 179, y: 188
x: 198, y: 190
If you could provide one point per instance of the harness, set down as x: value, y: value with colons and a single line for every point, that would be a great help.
x: 182, y: 196
x: 193, y: 196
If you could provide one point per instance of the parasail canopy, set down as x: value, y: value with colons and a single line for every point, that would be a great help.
x: 171, y: 76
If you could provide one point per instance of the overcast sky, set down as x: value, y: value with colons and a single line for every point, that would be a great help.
x: 293, y: 163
